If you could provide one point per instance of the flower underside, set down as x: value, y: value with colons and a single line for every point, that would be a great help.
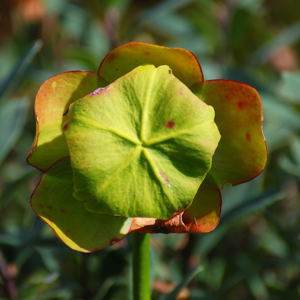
x: 140, y: 147
x: 144, y: 145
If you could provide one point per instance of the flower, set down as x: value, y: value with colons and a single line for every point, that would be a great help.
x: 145, y: 144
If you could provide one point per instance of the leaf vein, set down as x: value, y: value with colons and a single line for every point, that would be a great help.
x: 133, y: 154
x: 98, y: 125
x: 146, y: 104
x: 158, y: 177
x: 178, y: 133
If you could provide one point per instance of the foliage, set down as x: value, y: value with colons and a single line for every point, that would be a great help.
x: 254, y: 254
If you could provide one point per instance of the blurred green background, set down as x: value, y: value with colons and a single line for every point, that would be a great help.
x: 255, y: 252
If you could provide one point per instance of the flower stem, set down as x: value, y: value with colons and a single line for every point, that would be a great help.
x: 141, y: 266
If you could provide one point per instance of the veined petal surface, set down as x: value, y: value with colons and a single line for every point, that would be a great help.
x: 142, y: 146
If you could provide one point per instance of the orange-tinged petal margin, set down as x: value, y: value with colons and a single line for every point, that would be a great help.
x: 52, y: 100
x: 201, y: 217
x: 123, y: 59
x: 242, y: 152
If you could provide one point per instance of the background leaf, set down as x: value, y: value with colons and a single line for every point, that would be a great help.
x: 13, y: 115
x: 255, y: 255
x: 289, y: 86
x: 19, y: 69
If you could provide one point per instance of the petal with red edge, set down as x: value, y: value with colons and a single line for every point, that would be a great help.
x: 123, y: 59
x: 78, y: 228
x: 52, y: 101
x: 202, y: 216
x: 241, y: 154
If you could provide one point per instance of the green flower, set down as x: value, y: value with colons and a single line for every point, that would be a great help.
x: 145, y: 144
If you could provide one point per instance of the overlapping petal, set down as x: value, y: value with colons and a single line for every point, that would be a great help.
x: 125, y: 58
x: 52, y: 101
x: 78, y: 228
x: 241, y: 153
x: 202, y: 216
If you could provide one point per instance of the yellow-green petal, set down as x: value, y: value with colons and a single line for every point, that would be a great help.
x: 142, y: 146
x: 78, y: 228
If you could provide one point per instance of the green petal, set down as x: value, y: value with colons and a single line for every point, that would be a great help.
x: 52, y: 101
x: 125, y: 58
x: 141, y: 146
x: 202, y: 216
x: 78, y: 228
x: 241, y: 153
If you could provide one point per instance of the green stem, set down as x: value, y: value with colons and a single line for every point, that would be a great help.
x: 141, y: 266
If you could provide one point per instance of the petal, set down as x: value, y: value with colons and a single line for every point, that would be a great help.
x: 241, y: 154
x: 78, y: 228
x: 202, y: 216
x: 142, y: 146
x: 123, y: 59
x: 52, y: 101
